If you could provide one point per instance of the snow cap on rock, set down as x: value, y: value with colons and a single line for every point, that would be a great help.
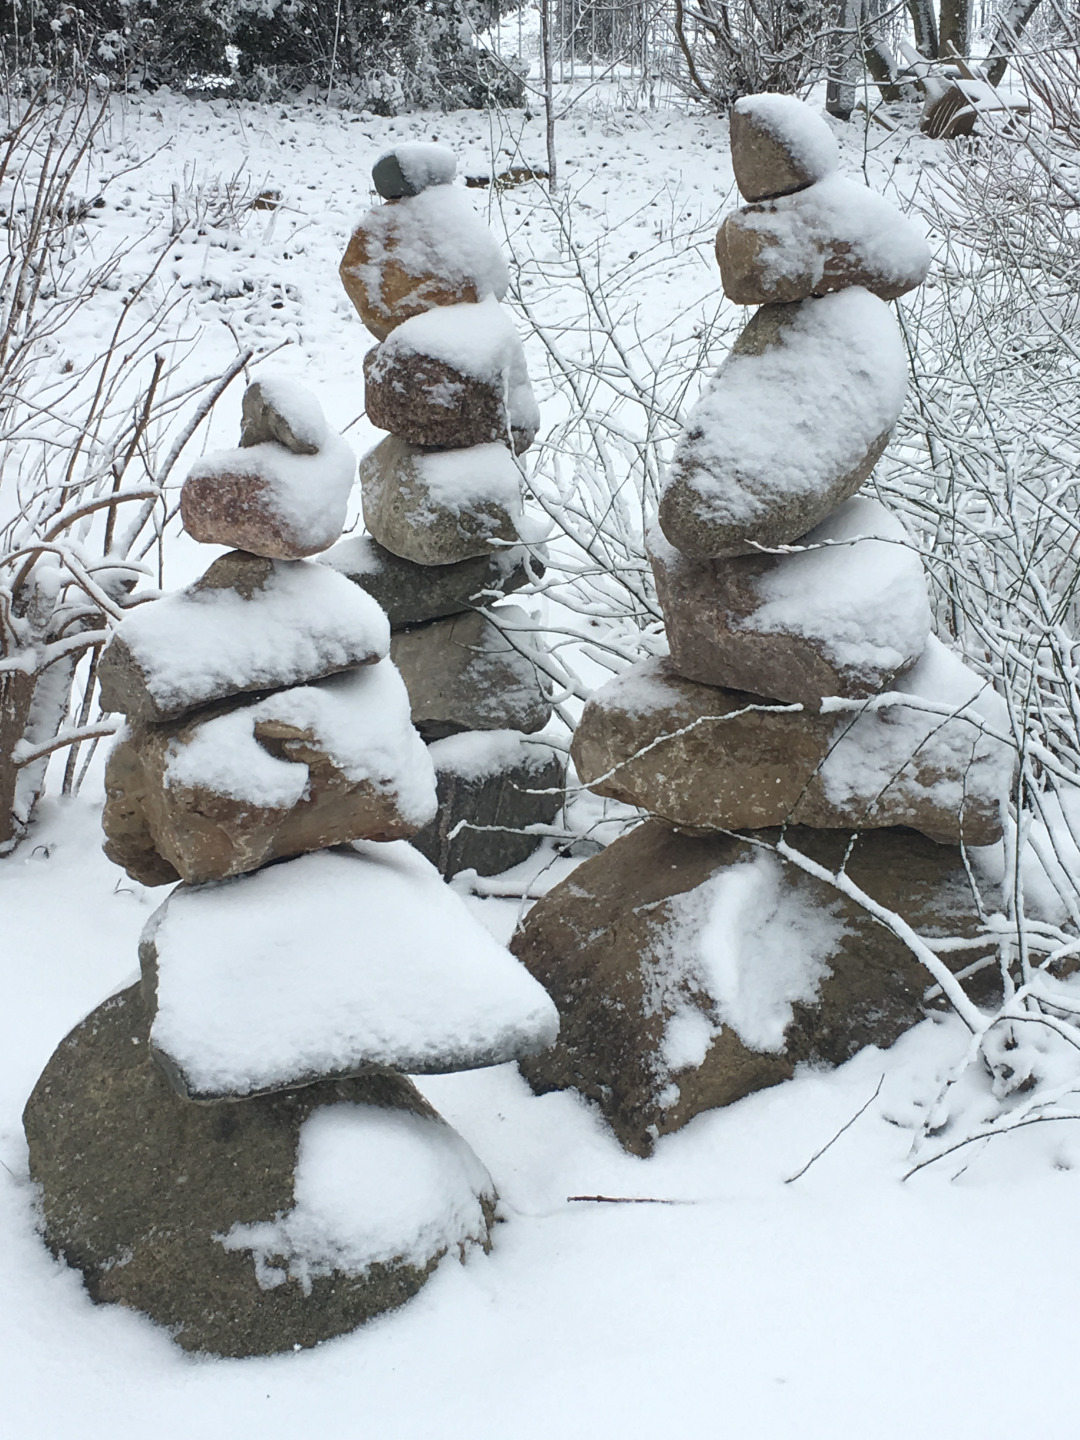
x: 779, y: 145
x: 408, y: 169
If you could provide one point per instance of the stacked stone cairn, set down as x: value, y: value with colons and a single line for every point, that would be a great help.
x: 442, y: 502
x: 232, y: 1146
x: 690, y: 963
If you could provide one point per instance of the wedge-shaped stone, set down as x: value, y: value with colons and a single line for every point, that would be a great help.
x: 790, y: 427
x: 453, y: 378
x: 496, y: 789
x: 303, y: 769
x: 326, y: 966
x: 419, y: 253
x: 412, y: 594
x: 708, y: 758
x: 779, y: 145
x: 464, y: 674
x: 224, y: 1224
x: 440, y: 507
x: 843, y: 617
x: 690, y: 971
x: 248, y: 624
x: 835, y: 235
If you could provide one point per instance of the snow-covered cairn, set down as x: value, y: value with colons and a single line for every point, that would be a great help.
x: 442, y: 499
x: 232, y: 1146
x: 690, y: 964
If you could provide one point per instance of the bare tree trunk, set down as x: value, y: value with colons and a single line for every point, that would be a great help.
x: 843, y: 62
x: 1011, y: 26
x: 954, y: 28
x: 549, y: 99
x: 924, y: 22
x: 16, y: 698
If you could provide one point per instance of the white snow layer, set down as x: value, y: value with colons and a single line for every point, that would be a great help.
x: 308, y: 493
x: 200, y: 645
x: 801, y: 131
x: 463, y: 480
x: 863, y: 599
x: 372, y: 1186
x: 423, y: 163
x: 838, y: 213
x: 793, y: 420
x: 436, y: 234
x: 298, y: 407
x: 331, y: 962
x: 740, y: 950
x: 359, y: 719
x: 870, y: 752
x: 476, y: 340
x: 480, y: 754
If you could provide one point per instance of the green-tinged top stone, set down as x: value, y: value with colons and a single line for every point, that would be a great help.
x: 408, y: 169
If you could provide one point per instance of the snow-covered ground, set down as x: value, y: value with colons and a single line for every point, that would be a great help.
x: 849, y: 1303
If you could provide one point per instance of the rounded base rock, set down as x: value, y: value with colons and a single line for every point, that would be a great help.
x: 141, y: 1188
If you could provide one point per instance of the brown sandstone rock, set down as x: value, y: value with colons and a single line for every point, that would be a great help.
x: 461, y: 674
x: 386, y: 292
x: 835, y: 235
x: 652, y: 1027
x: 161, y: 821
x: 139, y: 1187
x: 707, y: 758
x: 440, y: 507
x: 841, y: 618
x: 427, y: 402
x: 789, y: 428
x: 779, y: 145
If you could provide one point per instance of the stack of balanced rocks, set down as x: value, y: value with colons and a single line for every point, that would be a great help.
x: 442, y: 502
x: 690, y: 963
x: 232, y: 1146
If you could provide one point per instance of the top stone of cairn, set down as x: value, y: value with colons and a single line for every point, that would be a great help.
x: 778, y: 146
x: 408, y: 169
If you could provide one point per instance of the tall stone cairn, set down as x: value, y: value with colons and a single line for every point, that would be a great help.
x: 690, y: 964
x: 442, y: 501
x: 232, y: 1146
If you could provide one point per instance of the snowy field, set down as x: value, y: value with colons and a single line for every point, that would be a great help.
x: 847, y: 1303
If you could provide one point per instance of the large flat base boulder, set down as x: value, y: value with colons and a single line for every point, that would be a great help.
x: 492, y: 786
x: 791, y: 425
x: 700, y: 756
x: 412, y: 594
x: 219, y: 1222
x: 843, y: 617
x: 690, y: 971
x: 330, y: 965
x: 464, y: 674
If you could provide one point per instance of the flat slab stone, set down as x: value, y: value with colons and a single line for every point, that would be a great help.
x: 226, y: 1224
x: 690, y: 971
x: 452, y: 378
x: 492, y: 785
x: 438, y: 507
x: 789, y: 428
x: 830, y: 237
x: 326, y: 966
x: 227, y: 791
x: 779, y: 145
x: 707, y: 758
x: 843, y: 617
x: 420, y: 253
x: 412, y: 594
x: 463, y: 674
x: 249, y: 624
